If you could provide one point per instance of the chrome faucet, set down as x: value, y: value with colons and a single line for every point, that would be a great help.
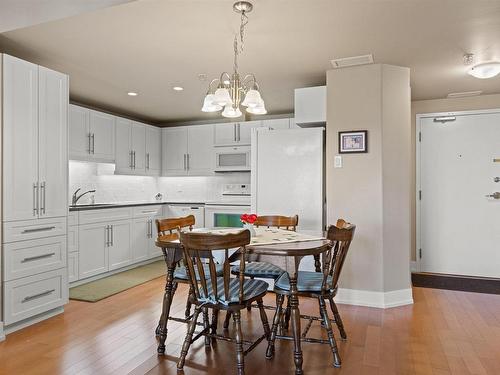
x: 75, y: 197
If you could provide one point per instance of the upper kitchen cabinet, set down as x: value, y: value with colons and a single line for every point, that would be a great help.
x: 237, y: 133
x: 35, y: 105
x: 130, y: 142
x: 188, y: 151
x: 91, y: 135
x: 153, y: 151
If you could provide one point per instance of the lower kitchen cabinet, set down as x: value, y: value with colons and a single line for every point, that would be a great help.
x: 93, y: 250
x: 140, y: 239
x: 119, y: 249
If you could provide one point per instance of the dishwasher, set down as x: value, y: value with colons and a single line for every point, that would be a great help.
x: 181, y: 210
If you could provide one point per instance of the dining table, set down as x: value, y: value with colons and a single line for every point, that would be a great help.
x: 292, y: 246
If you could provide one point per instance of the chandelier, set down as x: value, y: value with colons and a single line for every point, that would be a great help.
x: 228, y: 91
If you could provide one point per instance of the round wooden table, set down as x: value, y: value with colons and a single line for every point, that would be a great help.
x: 293, y: 251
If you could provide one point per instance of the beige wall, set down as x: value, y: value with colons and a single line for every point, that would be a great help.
x: 372, y: 190
x: 435, y: 106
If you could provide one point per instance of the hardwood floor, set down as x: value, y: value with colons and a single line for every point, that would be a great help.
x: 444, y: 332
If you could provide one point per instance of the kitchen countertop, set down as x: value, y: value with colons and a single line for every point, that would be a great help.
x: 100, y: 206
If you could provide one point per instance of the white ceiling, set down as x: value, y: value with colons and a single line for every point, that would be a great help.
x: 149, y: 46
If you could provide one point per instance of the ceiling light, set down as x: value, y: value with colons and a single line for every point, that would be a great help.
x: 463, y: 94
x: 230, y: 90
x: 485, y: 70
x: 131, y: 93
x: 178, y: 88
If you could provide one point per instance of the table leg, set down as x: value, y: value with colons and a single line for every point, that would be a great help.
x: 295, y: 320
x: 165, y: 313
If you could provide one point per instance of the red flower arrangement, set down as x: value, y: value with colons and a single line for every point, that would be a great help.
x: 248, y: 218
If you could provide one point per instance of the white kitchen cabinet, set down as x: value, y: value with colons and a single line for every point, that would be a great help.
x: 174, y: 151
x: 236, y: 133
x: 72, y: 239
x: 153, y: 250
x: 140, y: 239
x: 102, y: 131
x: 79, y: 136
x: 225, y: 134
x: 138, y: 143
x: 277, y: 124
x: 244, y: 131
x: 91, y: 135
x: 200, y: 159
x: 123, y: 147
x: 20, y: 139
x: 52, y: 142
x: 188, y: 151
x: 93, y: 249
x: 119, y: 249
x: 153, y: 151
x: 34, y: 141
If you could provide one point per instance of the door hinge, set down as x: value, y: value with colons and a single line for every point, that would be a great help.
x: 420, y: 195
x: 420, y: 136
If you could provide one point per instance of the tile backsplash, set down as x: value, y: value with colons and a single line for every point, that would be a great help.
x: 111, y: 188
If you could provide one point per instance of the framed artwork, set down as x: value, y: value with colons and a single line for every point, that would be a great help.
x: 353, y: 142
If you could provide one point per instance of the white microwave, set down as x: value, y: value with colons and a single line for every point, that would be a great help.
x: 232, y: 159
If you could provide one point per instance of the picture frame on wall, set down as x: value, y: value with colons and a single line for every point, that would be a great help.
x: 353, y: 142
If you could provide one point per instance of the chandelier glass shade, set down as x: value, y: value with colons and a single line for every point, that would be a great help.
x: 230, y: 91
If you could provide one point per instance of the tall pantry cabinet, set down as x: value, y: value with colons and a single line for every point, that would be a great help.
x: 34, y: 190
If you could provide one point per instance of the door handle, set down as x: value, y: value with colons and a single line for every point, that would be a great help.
x: 39, y: 295
x: 187, y: 157
x: 495, y: 195
x: 239, y: 138
x: 93, y: 143
x: 38, y: 229
x: 42, y: 193
x: 90, y: 143
x: 184, y: 161
x: 106, y: 241
x: 112, y: 235
x: 134, y: 159
x: 147, y: 160
x: 131, y: 163
x: 234, y: 132
x: 30, y: 259
x: 35, y: 198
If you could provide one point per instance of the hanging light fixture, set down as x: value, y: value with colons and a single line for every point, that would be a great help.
x: 228, y: 90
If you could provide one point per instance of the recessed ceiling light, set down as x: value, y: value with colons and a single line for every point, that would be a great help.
x: 485, y: 70
x: 131, y: 93
x: 178, y: 88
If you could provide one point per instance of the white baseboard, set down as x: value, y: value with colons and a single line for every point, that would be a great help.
x: 33, y: 320
x: 2, y: 334
x: 369, y: 298
x: 413, y: 266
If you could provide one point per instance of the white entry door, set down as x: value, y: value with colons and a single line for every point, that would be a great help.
x: 459, y: 210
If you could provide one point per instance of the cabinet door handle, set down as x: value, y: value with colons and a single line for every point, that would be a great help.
x: 30, y: 259
x: 106, y: 240
x: 112, y: 235
x: 234, y: 132
x: 187, y: 156
x: 39, y: 295
x: 184, y: 161
x: 130, y: 160
x: 38, y: 229
x: 90, y: 143
x: 35, y: 198
x: 147, y: 160
x: 134, y: 158
x: 42, y: 193
x: 239, y: 138
x: 93, y: 143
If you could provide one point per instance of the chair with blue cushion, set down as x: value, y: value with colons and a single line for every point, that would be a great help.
x: 322, y: 286
x: 262, y: 269
x: 212, y: 291
x: 169, y: 230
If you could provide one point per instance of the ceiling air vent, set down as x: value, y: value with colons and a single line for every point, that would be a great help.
x: 352, y: 61
x: 463, y: 94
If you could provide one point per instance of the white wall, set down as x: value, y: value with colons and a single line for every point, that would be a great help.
x: 112, y: 188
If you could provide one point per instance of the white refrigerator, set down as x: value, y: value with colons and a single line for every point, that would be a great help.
x: 287, y: 175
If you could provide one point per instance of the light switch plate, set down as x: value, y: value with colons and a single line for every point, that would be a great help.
x: 337, y: 161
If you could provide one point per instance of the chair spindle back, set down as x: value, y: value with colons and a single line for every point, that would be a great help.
x: 169, y: 229
x: 198, y: 247
x: 280, y: 222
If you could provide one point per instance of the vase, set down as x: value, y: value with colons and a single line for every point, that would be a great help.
x: 251, y: 228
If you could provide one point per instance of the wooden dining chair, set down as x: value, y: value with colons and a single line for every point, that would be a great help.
x: 169, y: 230
x: 322, y: 286
x: 266, y: 270
x: 211, y: 291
